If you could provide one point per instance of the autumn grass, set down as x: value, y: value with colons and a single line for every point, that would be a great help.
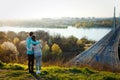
x: 62, y: 73
x: 19, y: 72
x: 15, y: 75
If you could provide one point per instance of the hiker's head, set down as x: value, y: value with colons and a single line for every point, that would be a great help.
x: 31, y: 34
x: 33, y: 38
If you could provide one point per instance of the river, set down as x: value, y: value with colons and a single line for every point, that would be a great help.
x: 90, y: 33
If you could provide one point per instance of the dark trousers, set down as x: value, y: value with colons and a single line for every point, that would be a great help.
x: 30, y: 62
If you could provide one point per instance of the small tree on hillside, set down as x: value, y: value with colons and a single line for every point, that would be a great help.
x: 9, y: 53
x: 46, y: 52
x: 11, y: 35
x: 22, y: 52
x: 56, y: 50
x: 3, y: 37
x: 15, y: 40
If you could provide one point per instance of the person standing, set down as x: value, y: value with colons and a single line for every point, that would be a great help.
x: 30, y: 52
x: 38, y: 55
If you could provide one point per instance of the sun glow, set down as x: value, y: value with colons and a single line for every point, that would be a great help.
x: 35, y: 9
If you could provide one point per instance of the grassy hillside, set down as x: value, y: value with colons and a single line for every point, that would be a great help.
x: 15, y: 75
x: 20, y: 72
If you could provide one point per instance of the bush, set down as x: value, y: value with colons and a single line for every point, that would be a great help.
x: 22, y: 57
x: 56, y: 49
x: 46, y: 52
x: 9, y: 52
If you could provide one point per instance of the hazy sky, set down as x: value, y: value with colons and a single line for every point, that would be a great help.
x: 36, y: 9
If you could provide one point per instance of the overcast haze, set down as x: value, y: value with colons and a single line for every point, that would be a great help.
x: 36, y: 9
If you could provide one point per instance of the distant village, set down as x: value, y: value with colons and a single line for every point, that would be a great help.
x: 61, y: 22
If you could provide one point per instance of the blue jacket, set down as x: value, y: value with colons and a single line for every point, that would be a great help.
x: 29, y: 42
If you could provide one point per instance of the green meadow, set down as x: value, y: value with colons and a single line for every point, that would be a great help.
x: 19, y: 72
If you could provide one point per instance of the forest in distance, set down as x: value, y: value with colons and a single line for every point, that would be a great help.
x: 61, y: 22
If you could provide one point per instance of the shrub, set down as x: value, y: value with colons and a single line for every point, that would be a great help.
x: 9, y: 46
x: 46, y: 52
x: 56, y: 49
x: 15, y: 40
x: 9, y: 52
x: 11, y: 35
x: 2, y: 37
x: 22, y: 57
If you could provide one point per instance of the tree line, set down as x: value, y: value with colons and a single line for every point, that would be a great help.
x: 56, y: 49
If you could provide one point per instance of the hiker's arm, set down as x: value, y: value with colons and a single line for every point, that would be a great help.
x: 33, y: 42
x: 41, y: 46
